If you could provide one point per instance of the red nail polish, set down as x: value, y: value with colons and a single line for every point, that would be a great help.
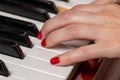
x: 40, y: 35
x: 55, y: 60
x: 43, y: 43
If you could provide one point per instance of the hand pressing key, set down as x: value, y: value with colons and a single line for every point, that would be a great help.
x: 100, y: 23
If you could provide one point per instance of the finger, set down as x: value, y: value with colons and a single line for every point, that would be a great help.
x: 69, y: 17
x: 72, y: 32
x: 81, y: 54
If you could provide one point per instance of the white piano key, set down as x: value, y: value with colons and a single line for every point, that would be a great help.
x: 42, y: 62
x: 58, y: 49
x: 10, y: 78
x: 39, y: 65
x: 8, y: 58
x: 39, y: 53
x: 44, y: 67
x: 22, y: 73
x: 62, y: 47
x: 76, y: 2
x: 1, y: 77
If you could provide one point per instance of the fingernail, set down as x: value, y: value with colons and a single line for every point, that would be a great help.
x: 55, y: 60
x: 43, y: 43
x: 40, y: 35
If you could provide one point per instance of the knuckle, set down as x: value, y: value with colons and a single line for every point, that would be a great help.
x: 67, y: 16
x: 77, y: 7
x: 82, y: 7
x: 72, y: 30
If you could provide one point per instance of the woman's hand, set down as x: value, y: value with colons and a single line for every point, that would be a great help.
x: 100, y: 23
x: 104, y: 1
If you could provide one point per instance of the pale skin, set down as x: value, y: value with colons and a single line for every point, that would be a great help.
x: 104, y: 1
x: 100, y: 23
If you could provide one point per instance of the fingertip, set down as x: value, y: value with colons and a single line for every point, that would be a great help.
x: 39, y: 35
x: 55, y: 60
x: 62, y: 60
x: 43, y: 43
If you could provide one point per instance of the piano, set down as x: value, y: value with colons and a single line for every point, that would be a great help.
x: 22, y: 56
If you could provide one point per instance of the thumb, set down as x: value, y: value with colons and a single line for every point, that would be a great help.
x: 81, y: 54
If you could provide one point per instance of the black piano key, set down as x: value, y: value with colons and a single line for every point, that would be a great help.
x: 3, y: 69
x: 25, y: 11
x: 24, y: 26
x: 64, y: 0
x: 15, y: 36
x: 44, y: 4
x: 11, y: 49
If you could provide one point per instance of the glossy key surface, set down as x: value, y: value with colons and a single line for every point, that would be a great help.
x: 20, y: 25
x: 44, y: 4
x: 15, y: 36
x: 11, y: 49
x: 3, y: 69
x: 26, y: 11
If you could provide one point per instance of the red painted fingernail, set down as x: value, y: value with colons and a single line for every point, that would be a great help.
x: 43, y: 43
x: 40, y: 35
x: 55, y: 60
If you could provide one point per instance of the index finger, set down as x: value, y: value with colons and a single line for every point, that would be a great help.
x: 67, y: 18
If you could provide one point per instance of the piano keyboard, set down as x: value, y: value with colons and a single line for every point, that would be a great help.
x: 22, y: 56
